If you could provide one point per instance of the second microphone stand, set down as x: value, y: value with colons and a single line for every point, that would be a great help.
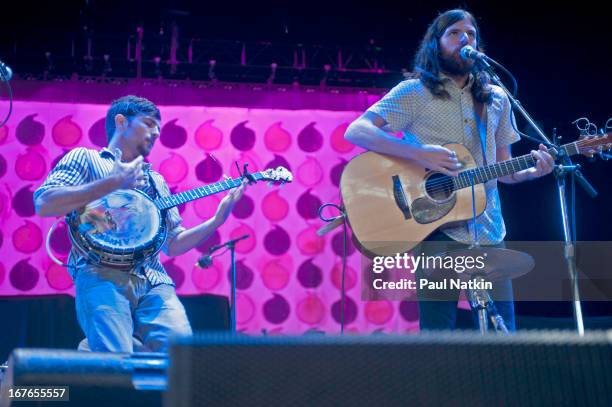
x: 559, y: 173
x: 231, y: 246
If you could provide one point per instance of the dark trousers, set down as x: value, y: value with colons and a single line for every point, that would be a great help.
x: 438, y: 308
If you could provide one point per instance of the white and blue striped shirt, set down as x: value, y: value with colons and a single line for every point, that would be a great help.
x: 81, y: 166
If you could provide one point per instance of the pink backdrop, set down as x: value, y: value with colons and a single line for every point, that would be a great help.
x: 288, y: 278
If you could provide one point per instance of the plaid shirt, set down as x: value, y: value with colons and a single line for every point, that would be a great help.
x: 411, y: 108
x: 81, y: 166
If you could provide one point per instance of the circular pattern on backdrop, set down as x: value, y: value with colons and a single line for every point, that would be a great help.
x: 66, y: 133
x: 350, y: 277
x: 274, y: 207
x: 278, y: 161
x: 245, y: 308
x: 276, y: 310
x: 242, y: 137
x: 205, y: 279
x: 337, y: 140
x: 207, y: 207
x: 27, y: 238
x: 174, y: 169
x: 23, y: 275
x: 310, y: 310
x: 317, y: 165
x: 2, y: 166
x: 175, y: 272
x: 310, y: 139
x: 308, y: 205
x: 338, y: 244
x: 310, y: 173
x: 29, y: 131
x: 275, y: 275
x: 309, y: 243
x: 277, y: 241
x: 276, y: 138
x: 23, y: 202
x: 209, y: 170
x: 173, y: 135
x: 378, y: 312
x: 5, y: 206
x: 336, y: 172
x: 309, y: 274
x: 245, y: 245
x: 2, y: 273
x: 244, y: 207
x: 350, y: 310
x: 244, y: 275
x: 208, y: 137
x: 97, y: 133
x: 58, y: 277
x: 409, y: 310
x: 4, y: 130
x: 30, y: 166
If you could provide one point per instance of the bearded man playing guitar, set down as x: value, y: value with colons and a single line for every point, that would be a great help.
x: 120, y: 308
x: 452, y: 101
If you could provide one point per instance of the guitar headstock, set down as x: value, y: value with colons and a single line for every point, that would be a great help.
x: 590, y: 142
x: 589, y: 145
x: 278, y: 174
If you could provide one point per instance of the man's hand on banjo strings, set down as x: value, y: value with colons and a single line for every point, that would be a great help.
x: 128, y: 175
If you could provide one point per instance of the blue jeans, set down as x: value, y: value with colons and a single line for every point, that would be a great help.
x: 117, y: 310
x: 438, y: 308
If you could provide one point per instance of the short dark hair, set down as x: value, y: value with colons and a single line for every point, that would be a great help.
x: 426, y: 61
x: 130, y: 106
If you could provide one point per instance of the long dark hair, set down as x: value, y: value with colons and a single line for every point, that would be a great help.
x: 427, y: 63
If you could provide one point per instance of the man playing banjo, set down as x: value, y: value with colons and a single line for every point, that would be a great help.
x: 119, y: 309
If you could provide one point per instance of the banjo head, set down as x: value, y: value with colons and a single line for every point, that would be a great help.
x: 124, y: 220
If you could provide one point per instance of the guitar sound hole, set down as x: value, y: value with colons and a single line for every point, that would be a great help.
x: 439, y: 187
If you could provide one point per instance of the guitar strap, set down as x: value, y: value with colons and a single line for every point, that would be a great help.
x: 481, y: 127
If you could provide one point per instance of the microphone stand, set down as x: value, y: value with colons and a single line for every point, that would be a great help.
x: 231, y: 245
x: 560, y: 172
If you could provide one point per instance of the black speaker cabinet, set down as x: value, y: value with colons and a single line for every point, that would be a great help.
x: 93, y: 379
x: 434, y: 369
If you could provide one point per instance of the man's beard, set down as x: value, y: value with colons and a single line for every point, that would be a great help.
x: 144, y: 150
x: 450, y: 65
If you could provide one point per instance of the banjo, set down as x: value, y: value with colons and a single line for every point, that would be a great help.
x: 127, y: 227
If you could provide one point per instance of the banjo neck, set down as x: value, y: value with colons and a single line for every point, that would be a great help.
x: 171, y: 201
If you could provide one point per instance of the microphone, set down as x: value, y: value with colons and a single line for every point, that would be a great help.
x: 204, y: 261
x: 5, y: 72
x: 468, y: 52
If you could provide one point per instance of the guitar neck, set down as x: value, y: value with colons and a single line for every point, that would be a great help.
x: 201, y: 192
x: 486, y: 173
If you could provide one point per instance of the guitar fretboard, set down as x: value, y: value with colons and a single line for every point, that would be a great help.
x: 493, y: 171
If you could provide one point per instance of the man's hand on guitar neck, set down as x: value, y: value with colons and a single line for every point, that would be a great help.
x: 544, y: 163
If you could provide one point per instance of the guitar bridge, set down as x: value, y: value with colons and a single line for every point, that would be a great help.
x: 400, y: 197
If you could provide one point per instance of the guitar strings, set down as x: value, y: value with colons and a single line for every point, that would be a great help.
x: 446, y: 182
